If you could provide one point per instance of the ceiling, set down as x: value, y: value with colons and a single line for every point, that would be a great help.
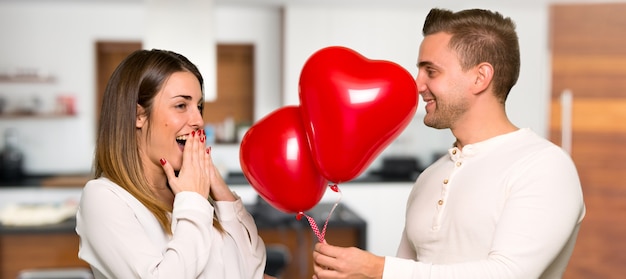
x: 416, y: 3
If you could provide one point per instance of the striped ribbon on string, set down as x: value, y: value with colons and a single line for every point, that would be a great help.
x: 321, y: 234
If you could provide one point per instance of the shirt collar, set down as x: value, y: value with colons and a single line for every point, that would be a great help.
x: 470, y: 150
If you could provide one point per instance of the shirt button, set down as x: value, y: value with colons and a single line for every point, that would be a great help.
x: 445, y: 181
x: 440, y: 202
x: 454, y: 152
x: 458, y: 164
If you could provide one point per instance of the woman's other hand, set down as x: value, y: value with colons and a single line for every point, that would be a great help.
x: 219, y: 189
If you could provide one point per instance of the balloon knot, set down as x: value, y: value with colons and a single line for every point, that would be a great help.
x: 334, y: 187
x: 299, y: 216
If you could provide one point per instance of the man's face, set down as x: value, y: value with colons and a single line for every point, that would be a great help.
x: 441, y: 82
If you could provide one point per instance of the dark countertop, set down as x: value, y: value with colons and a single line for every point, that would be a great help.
x: 233, y: 178
x: 265, y: 215
x: 63, y: 227
x: 34, y: 180
x: 371, y: 177
x: 393, y: 169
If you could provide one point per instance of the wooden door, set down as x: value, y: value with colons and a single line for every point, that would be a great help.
x: 588, y: 44
x: 235, y: 85
x: 108, y: 56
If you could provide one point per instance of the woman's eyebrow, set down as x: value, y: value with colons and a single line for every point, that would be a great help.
x: 186, y: 97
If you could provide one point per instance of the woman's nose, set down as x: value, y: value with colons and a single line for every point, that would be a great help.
x: 197, y: 120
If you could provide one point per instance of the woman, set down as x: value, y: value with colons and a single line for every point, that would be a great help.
x: 158, y: 207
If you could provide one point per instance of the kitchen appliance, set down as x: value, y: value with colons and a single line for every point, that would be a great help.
x: 399, y: 168
x: 11, y: 158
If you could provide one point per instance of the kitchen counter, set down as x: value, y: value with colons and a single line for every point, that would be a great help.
x: 376, y: 198
x: 277, y: 229
x: 265, y: 217
x: 376, y: 205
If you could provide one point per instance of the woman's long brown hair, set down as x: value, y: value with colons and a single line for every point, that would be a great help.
x: 136, y: 81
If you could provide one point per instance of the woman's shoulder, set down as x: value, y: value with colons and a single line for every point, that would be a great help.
x: 103, y: 190
x: 100, y: 186
x: 102, y: 199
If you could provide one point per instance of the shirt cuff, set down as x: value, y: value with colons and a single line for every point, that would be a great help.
x: 191, y: 206
x: 191, y: 201
x: 398, y: 268
x: 230, y: 210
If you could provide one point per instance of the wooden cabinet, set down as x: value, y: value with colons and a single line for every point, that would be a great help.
x: 300, y: 241
x: 344, y: 228
x: 54, y: 247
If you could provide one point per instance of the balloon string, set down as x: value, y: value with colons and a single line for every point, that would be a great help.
x: 321, y: 235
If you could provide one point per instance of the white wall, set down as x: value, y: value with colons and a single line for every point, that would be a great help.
x: 60, y: 39
x: 394, y: 34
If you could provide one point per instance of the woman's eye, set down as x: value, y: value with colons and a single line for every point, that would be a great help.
x: 181, y: 106
x: 201, y: 109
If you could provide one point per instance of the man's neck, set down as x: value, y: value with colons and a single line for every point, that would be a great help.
x: 470, y: 133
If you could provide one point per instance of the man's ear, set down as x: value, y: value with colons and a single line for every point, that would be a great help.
x: 484, y: 75
x: 141, y: 117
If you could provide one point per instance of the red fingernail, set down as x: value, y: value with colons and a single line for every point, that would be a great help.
x: 162, y: 161
x: 208, y: 150
x: 201, y: 139
x: 193, y: 133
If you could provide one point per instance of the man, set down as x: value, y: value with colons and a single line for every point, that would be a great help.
x: 504, y: 202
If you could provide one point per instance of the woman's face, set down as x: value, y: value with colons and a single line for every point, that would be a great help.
x: 176, y: 113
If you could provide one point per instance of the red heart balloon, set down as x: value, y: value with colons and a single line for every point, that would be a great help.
x: 276, y: 159
x: 352, y: 108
